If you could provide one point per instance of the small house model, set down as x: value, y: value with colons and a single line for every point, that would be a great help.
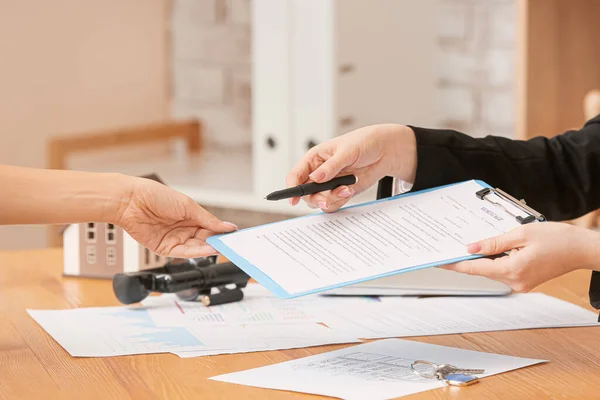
x: 100, y: 250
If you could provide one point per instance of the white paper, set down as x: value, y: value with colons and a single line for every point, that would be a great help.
x: 406, y: 316
x: 357, y: 243
x: 376, y: 370
x: 114, y: 331
x: 259, y: 306
x: 384, y: 317
x: 251, y: 338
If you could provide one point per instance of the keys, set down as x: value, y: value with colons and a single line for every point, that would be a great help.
x: 460, y: 380
x: 450, y: 374
x: 444, y: 370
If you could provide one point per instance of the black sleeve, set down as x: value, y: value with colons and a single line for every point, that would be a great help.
x: 559, y: 177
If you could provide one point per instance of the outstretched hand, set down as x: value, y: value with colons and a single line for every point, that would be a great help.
x: 536, y: 253
x: 168, y: 222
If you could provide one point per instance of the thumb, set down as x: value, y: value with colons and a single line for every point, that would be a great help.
x: 330, y: 168
x: 498, y: 244
x: 208, y: 221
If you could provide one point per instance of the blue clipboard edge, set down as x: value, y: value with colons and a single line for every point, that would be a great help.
x: 275, y: 288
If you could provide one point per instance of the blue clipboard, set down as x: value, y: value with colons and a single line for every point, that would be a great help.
x: 275, y: 288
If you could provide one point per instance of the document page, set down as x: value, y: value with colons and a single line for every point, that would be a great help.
x: 115, y: 331
x: 356, y: 243
x: 405, y: 317
x: 259, y: 307
x: 376, y: 370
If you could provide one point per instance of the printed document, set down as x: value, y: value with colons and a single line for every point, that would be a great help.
x: 115, y: 331
x: 324, y: 251
x: 258, y: 307
x: 264, y: 322
x: 405, y: 317
x: 376, y: 370
x: 374, y: 318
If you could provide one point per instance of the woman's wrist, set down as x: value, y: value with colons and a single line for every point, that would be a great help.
x: 38, y: 196
x: 95, y: 197
x: 592, y: 252
x: 114, y: 197
x: 400, y: 148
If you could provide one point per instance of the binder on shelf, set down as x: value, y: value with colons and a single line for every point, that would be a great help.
x: 313, y: 75
x: 270, y: 93
x: 322, y: 68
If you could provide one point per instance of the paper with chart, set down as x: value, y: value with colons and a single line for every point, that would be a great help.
x: 376, y: 370
x: 114, y: 331
x: 258, y: 307
x: 405, y: 317
x: 322, y: 251
x: 384, y: 317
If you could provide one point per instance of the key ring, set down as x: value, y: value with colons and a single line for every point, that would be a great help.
x: 435, y: 369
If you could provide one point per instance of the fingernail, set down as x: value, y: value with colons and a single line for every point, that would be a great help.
x: 317, y: 176
x: 232, y: 225
x: 322, y: 205
x: 345, y: 193
x: 292, y: 202
x: 474, y: 248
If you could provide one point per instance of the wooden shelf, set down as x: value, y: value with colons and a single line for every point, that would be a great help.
x: 558, y: 64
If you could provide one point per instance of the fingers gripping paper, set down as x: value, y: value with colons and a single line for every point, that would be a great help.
x: 324, y: 251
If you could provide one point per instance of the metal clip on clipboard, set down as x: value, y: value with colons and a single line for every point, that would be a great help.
x: 520, y: 204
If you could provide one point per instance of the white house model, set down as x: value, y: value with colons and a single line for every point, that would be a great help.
x: 102, y: 250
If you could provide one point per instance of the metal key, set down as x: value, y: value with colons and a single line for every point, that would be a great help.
x: 443, y: 370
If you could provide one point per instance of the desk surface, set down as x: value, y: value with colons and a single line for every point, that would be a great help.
x: 33, y: 365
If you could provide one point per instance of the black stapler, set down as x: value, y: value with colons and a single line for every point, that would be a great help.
x: 189, y: 279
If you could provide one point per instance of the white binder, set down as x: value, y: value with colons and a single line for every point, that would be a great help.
x: 271, y: 109
x: 324, y: 67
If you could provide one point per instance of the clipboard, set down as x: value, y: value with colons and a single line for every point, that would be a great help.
x: 486, y: 193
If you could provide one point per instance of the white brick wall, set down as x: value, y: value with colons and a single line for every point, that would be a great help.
x: 192, y: 12
x: 497, y: 111
x: 477, y: 66
x: 456, y: 106
x: 211, y: 66
x: 502, y: 23
x: 454, y: 20
x: 239, y: 11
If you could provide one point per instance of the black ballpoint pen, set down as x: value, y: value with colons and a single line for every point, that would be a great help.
x: 311, y: 188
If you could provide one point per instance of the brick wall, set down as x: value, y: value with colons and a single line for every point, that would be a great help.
x: 211, y: 66
x: 476, y: 87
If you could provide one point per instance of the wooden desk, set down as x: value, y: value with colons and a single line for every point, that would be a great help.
x: 33, y: 366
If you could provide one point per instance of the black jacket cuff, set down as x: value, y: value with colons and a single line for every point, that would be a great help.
x: 436, y: 165
x: 595, y: 291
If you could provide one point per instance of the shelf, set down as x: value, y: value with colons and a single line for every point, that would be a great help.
x: 558, y: 64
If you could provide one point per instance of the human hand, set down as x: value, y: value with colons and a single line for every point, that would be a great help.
x: 168, y: 222
x: 370, y: 153
x: 537, y: 253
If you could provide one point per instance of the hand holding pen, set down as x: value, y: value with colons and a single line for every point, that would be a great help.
x: 340, y: 185
x: 311, y: 188
x: 369, y: 153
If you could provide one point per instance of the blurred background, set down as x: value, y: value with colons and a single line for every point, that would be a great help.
x: 221, y: 97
